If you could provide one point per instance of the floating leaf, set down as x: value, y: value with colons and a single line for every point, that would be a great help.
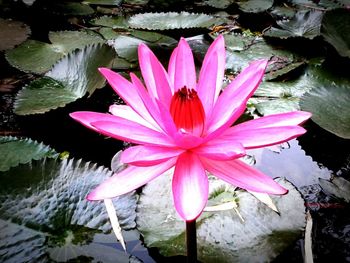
x: 335, y: 29
x: 321, y: 4
x: 222, y: 236
x: 12, y: 33
x: 305, y: 23
x: 329, y: 105
x: 172, y: 20
x: 110, y: 21
x: 103, y: 2
x: 39, y: 57
x: 70, y: 79
x: 338, y: 187
x: 255, y: 6
x: 15, y: 151
x: 69, y: 8
x: 219, y: 4
x: 52, y: 220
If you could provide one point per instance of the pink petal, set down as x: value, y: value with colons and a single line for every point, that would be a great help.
x: 186, y: 140
x: 232, y: 101
x: 129, y: 131
x: 148, y: 155
x: 221, y: 150
x: 185, y: 71
x: 128, y: 180
x: 126, y: 91
x: 155, y: 76
x: 87, y: 117
x: 172, y: 66
x: 190, y: 186
x: 242, y: 175
x: 262, y: 137
x: 275, y: 120
x: 212, y: 74
x: 128, y: 113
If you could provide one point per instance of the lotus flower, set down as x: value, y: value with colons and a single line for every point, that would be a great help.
x: 188, y: 124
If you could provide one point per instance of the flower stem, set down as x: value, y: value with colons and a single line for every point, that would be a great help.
x: 191, y: 241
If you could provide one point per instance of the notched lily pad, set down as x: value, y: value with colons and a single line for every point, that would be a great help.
x: 115, y: 22
x: 222, y: 236
x: 12, y: 33
x: 39, y: 57
x: 305, y: 24
x: 15, y: 151
x: 254, y: 6
x: 172, y: 20
x: 45, y: 201
x: 70, y: 79
x: 335, y: 30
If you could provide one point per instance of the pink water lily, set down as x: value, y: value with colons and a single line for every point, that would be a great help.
x: 187, y: 124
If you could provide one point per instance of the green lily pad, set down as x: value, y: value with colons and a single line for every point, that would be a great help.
x: 70, y: 79
x: 44, y: 215
x: 329, y: 105
x: 69, y: 8
x: 103, y: 2
x: 12, y: 33
x: 222, y: 236
x: 305, y: 24
x: 118, y: 22
x: 338, y: 187
x: 335, y: 28
x: 219, y: 4
x: 39, y: 57
x: 15, y: 151
x: 255, y: 6
x: 323, y: 4
x: 172, y: 20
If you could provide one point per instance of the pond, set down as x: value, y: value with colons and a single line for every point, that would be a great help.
x: 49, y: 57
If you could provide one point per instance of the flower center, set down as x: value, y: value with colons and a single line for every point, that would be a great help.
x: 187, y: 111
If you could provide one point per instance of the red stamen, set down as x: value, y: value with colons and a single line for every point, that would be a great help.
x: 187, y: 111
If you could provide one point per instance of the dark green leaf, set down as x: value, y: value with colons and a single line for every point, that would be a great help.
x: 335, y: 30
x: 255, y: 6
x: 103, y: 2
x: 15, y: 151
x: 172, y: 20
x: 304, y: 24
x: 70, y: 79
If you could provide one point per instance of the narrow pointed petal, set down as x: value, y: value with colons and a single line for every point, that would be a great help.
x: 128, y: 180
x: 257, y: 138
x: 128, y: 113
x: 185, y: 71
x: 232, y: 101
x: 242, y: 175
x: 171, y: 66
x: 129, y: 131
x: 126, y: 91
x: 212, y: 73
x: 88, y: 117
x: 275, y: 120
x: 148, y: 155
x: 221, y: 150
x: 155, y: 76
x: 190, y: 186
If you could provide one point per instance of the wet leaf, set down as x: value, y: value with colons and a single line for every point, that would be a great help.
x: 222, y: 236
x: 70, y: 79
x: 12, y: 33
x: 52, y: 220
x: 110, y: 21
x: 337, y: 186
x: 305, y: 24
x: 321, y: 4
x: 329, y: 105
x: 255, y: 6
x: 15, y: 151
x: 103, y: 2
x: 219, y: 4
x: 69, y: 8
x: 172, y: 20
x: 335, y: 29
x: 39, y: 57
